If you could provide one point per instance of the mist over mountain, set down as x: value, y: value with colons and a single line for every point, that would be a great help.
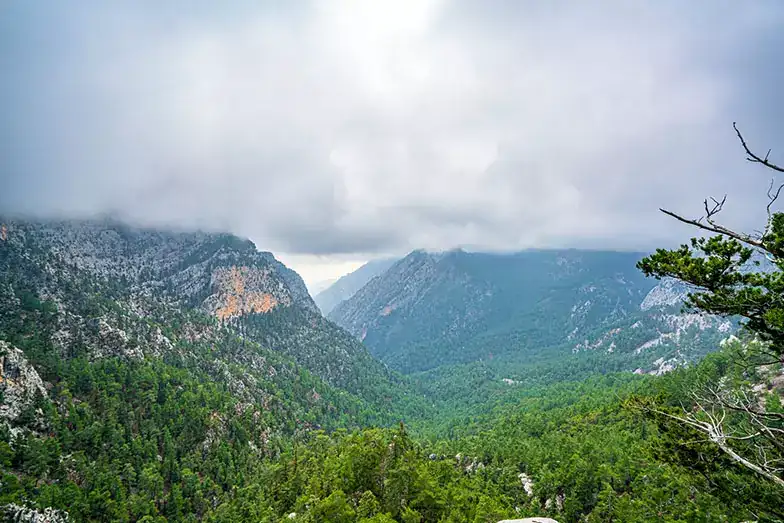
x: 588, y: 326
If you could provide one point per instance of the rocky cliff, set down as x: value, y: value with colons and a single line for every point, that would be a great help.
x: 114, y: 289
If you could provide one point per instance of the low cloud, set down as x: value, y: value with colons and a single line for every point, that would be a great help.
x: 351, y: 127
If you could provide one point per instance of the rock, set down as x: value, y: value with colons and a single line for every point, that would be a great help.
x: 245, y: 290
x: 668, y: 293
x: 19, y: 514
x: 528, y: 483
x: 107, y: 341
x: 19, y: 382
x: 559, y: 501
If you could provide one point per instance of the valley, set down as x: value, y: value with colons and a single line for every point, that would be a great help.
x: 529, y: 318
x: 383, y: 261
x: 151, y: 375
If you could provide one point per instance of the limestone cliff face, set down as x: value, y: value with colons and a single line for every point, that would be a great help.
x: 224, y: 274
x: 245, y: 290
x: 23, y: 514
x: 19, y: 382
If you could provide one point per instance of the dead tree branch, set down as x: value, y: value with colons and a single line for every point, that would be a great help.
x: 720, y: 229
x: 754, y: 158
x: 715, y: 430
x: 772, y: 197
x: 710, y: 212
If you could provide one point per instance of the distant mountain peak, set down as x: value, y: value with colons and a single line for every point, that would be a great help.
x: 345, y: 287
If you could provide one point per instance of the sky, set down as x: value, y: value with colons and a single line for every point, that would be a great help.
x: 335, y: 132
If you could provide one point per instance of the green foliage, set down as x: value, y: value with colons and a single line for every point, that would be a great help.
x: 479, y: 306
x: 282, y: 417
x: 730, y: 431
x: 730, y: 280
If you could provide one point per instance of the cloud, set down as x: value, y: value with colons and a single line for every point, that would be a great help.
x: 352, y: 127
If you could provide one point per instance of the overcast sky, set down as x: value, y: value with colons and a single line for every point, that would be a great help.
x: 334, y: 131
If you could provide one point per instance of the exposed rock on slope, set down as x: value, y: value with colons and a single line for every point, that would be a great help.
x: 19, y: 382
x: 109, y: 283
x: 668, y: 293
x: 18, y: 514
x: 244, y: 290
x: 188, y: 267
x: 661, y: 334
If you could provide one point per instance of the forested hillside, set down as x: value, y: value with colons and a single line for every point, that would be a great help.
x: 111, y: 281
x: 162, y: 376
x: 435, y: 309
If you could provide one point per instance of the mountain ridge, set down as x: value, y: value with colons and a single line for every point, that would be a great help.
x: 485, y: 305
x: 112, y: 284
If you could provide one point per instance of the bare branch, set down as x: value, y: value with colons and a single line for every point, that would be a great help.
x: 713, y: 227
x: 772, y: 197
x: 717, y: 207
x: 716, y: 434
x: 750, y: 156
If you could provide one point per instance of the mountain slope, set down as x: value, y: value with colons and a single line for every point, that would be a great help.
x: 118, y: 289
x: 145, y: 375
x: 149, y: 376
x: 438, y: 309
x: 345, y: 287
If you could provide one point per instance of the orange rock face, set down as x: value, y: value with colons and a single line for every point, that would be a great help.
x: 241, y: 290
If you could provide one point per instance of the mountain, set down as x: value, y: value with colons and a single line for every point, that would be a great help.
x: 150, y: 375
x: 212, y: 300
x: 345, y: 287
x: 434, y: 309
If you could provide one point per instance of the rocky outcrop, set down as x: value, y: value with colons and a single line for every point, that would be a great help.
x: 182, y: 265
x: 527, y: 482
x: 108, y: 290
x: 245, y: 290
x: 668, y: 293
x: 19, y: 382
x: 19, y: 514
